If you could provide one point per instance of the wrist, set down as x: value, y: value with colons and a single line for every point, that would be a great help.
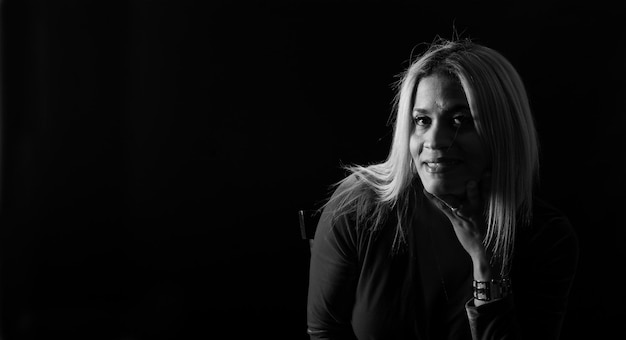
x: 481, y: 267
x: 487, y: 285
x: 485, y: 291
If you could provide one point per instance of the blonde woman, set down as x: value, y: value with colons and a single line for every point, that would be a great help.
x: 445, y: 239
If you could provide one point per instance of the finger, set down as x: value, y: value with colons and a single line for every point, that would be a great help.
x: 438, y: 203
x: 473, y: 202
x: 448, y: 210
x: 444, y: 203
x: 459, y: 212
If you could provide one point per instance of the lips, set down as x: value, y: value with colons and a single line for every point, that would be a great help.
x: 441, y: 165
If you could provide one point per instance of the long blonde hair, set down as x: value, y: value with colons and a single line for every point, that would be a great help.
x: 501, y: 112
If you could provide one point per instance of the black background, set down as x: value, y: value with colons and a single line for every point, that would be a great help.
x: 155, y: 152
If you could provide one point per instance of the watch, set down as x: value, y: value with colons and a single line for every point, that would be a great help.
x: 491, y: 290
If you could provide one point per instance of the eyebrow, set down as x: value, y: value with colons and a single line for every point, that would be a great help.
x: 453, y: 109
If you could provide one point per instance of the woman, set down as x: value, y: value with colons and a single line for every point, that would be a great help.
x: 444, y: 239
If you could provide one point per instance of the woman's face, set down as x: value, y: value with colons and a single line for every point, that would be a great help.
x: 444, y: 144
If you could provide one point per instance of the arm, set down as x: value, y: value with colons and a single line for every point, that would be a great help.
x: 332, y: 279
x: 543, y: 271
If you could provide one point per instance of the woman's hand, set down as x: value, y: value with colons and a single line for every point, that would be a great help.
x: 466, y: 217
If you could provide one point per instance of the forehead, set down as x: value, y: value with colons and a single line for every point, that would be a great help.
x: 438, y: 92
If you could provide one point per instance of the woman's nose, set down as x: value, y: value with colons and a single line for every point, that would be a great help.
x: 439, y: 136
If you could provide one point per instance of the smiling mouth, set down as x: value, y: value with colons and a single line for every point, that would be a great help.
x: 441, y: 166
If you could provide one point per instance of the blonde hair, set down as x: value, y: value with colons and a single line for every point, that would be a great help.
x: 503, y: 120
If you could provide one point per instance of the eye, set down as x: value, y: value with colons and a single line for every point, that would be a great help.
x: 422, y: 120
x: 461, y: 120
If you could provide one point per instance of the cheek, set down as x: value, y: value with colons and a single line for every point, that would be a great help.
x: 415, y: 144
x: 478, y: 155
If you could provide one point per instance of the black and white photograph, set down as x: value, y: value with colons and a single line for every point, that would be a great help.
x: 312, y: 169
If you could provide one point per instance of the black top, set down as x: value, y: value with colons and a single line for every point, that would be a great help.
x: 359, y: 288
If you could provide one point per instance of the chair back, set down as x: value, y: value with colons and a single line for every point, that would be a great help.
x: 308, y: 219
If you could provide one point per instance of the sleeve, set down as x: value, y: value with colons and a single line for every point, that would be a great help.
x: 332, y: 279
x: 494, y: 320
x: 541, y: 285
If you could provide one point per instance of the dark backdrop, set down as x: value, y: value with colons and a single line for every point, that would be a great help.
x: 154, y: 153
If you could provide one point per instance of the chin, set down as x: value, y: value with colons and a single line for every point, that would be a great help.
x: 444, y: 189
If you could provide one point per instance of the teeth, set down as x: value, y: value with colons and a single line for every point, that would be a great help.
x: 438, y: 164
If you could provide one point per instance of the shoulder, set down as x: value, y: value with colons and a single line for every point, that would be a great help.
x: 550, y: 231
x: 337, y: 231
x: 354, y: 206
x: 352, y: 193
x: 549, y: 219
